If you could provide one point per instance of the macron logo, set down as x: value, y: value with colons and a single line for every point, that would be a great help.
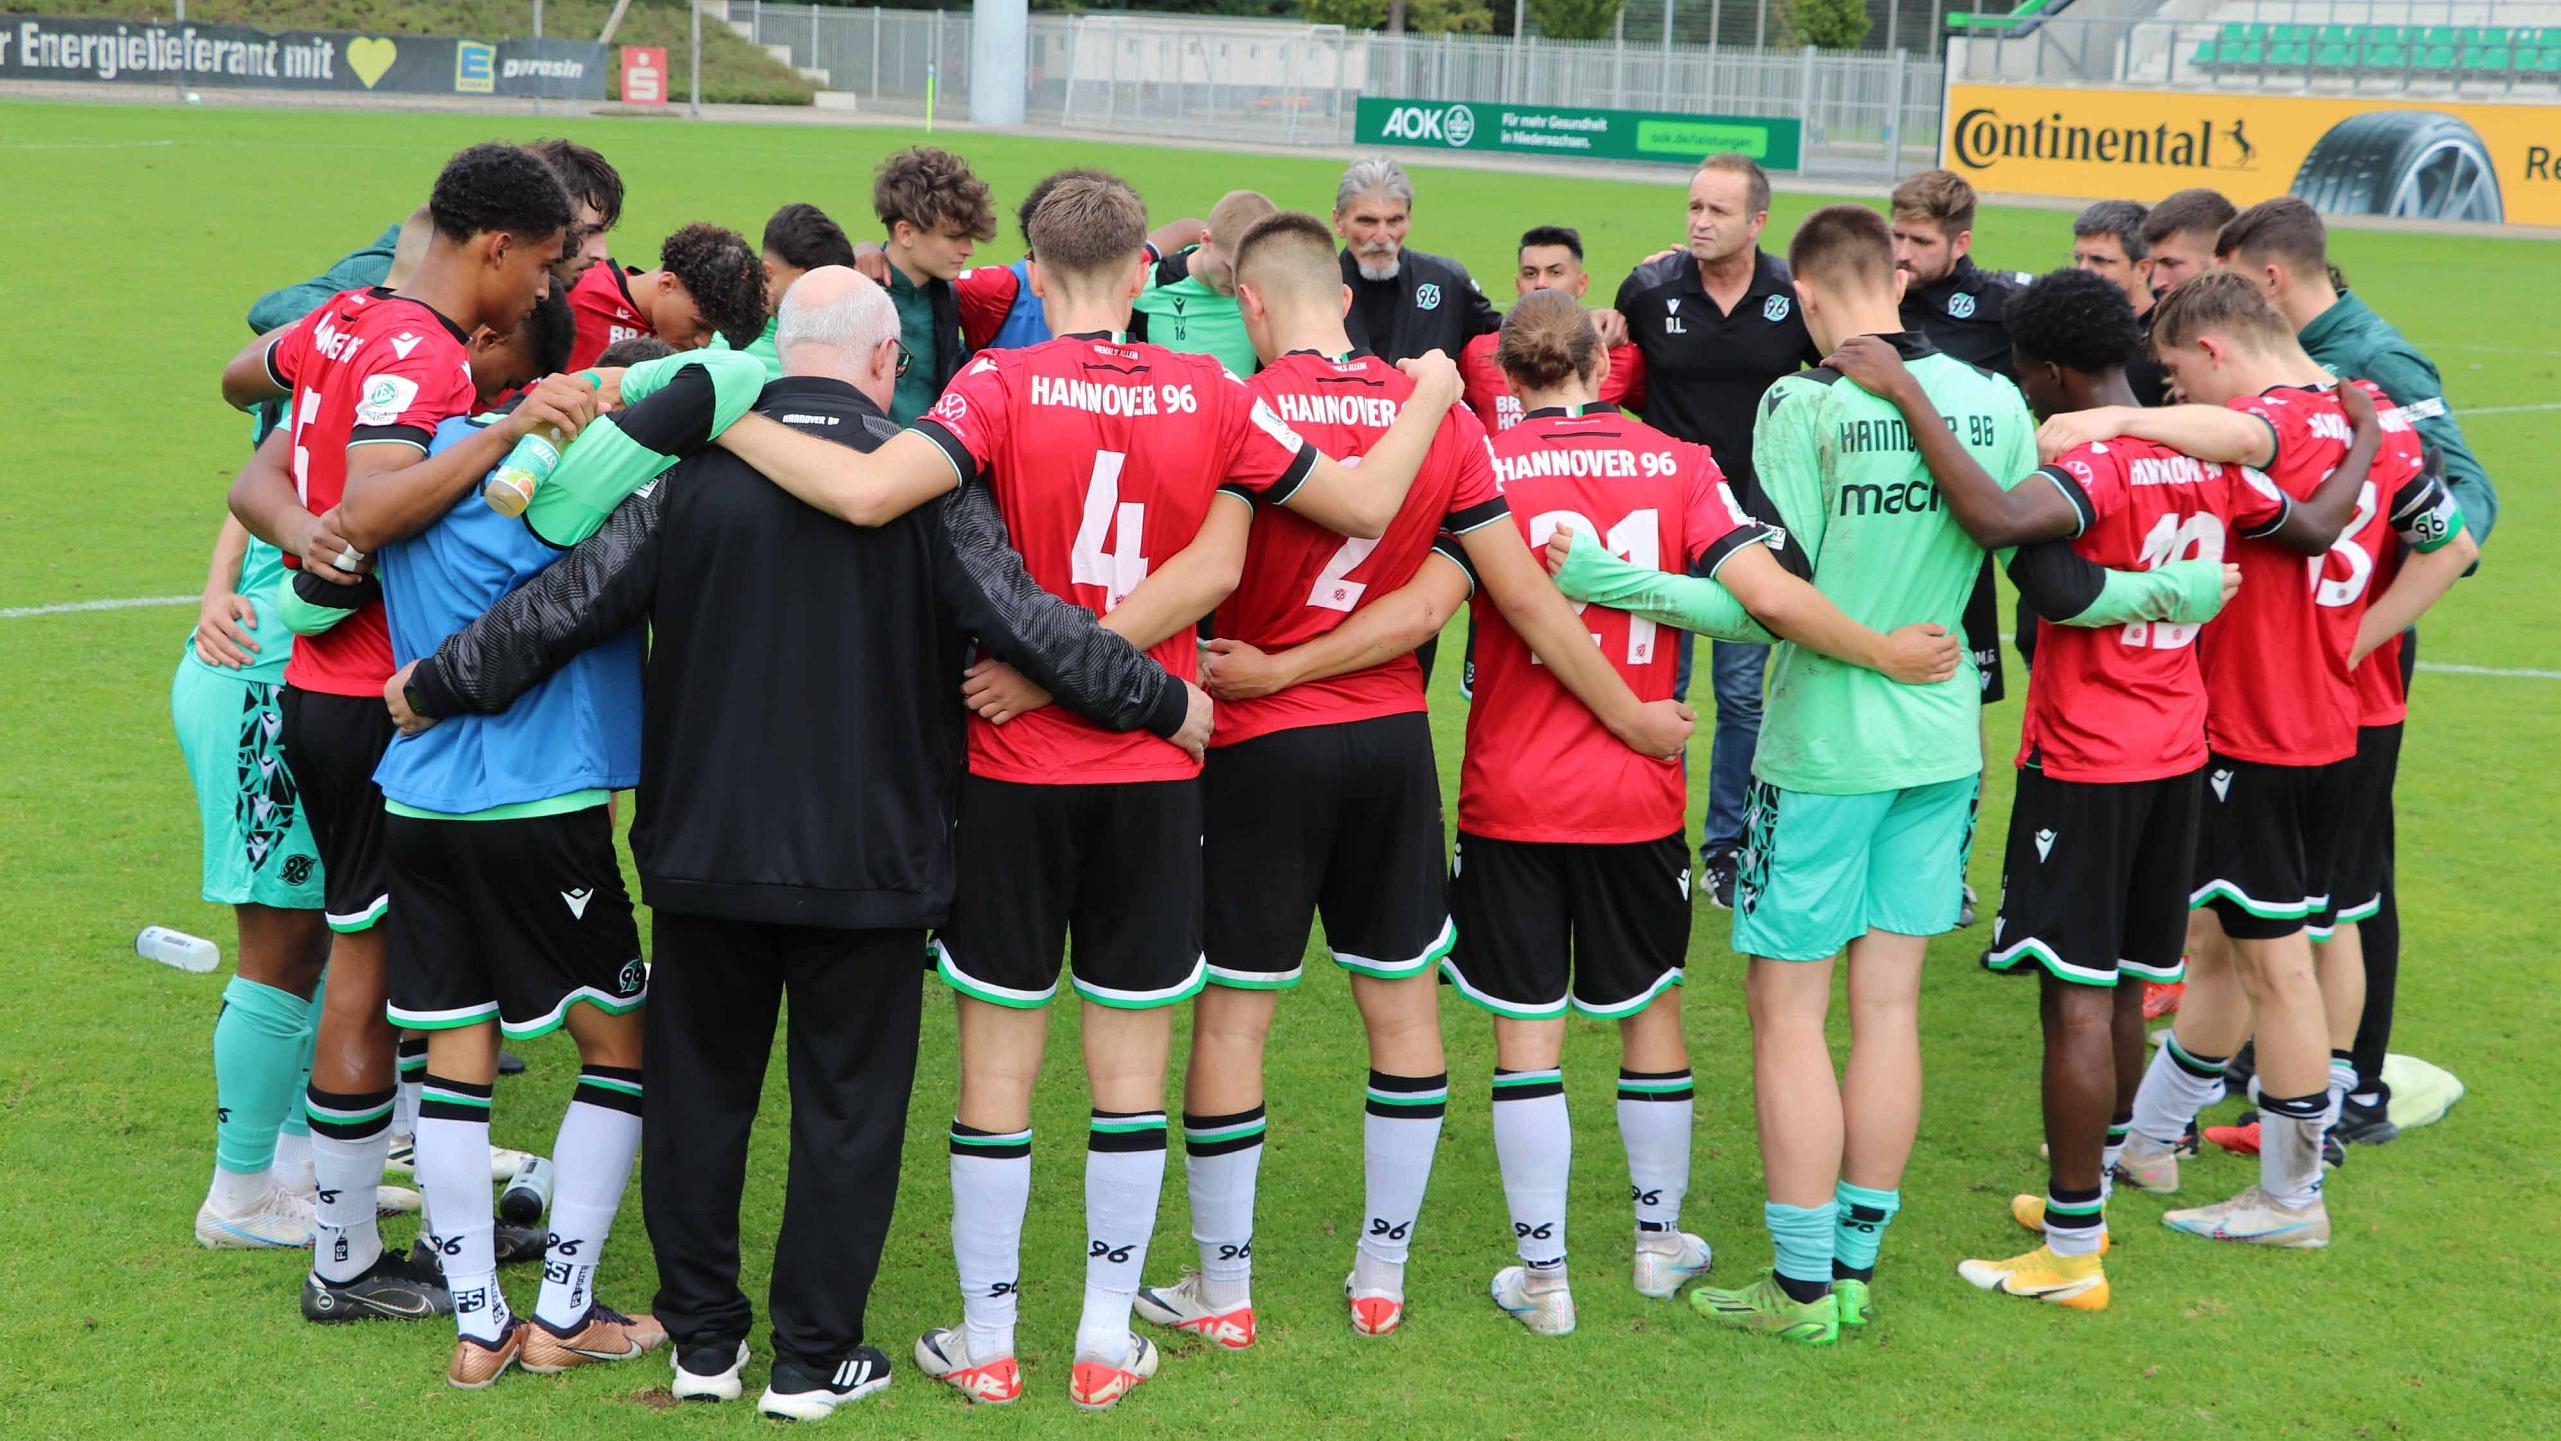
x: 2222, y: 783
x: 401, y: 345
x: 2044, y: 845
x: 577, y: 900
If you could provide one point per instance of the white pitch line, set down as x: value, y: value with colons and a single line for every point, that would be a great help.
x: 132, y: 602
x: 140, y: 602
x: 91, y: 145
x: 2466, y: 412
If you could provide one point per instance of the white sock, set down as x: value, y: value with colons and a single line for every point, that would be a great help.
x: 991, y: 1186
x: 234, y: 1192
x: 2343, y: 1081
x: 592, y: 1164
x: 1124, y: 1178
x: 1534, y: 1145
x: 1222, y: 1156
x: 349, y: 1136
x: 2290, y: 1147
x: 1400, y: 1134
x: 2175, y: 1088
x: 410, y: 1062
x: 1654, y: 1114
x: 453, y: 1175
x: 2117, y: 1130
x: 292, y: 1169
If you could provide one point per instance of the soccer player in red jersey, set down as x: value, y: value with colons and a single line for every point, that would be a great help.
x: 709, y: 281
x: 2281, y: 721
x: 370, y: 375
x: 2112, y: 760
x: 1551, y: 258
x: 595, y: 207
x: 1324, y: 795
x: 1569, y: 843
x: 1107, y: 460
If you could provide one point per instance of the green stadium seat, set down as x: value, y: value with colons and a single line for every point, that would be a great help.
x: 2244, y: 53
x: 2435, y: 36
x: 2394, y: 56
x: 2330, y: 55
x: 2491, y: 60
x: 2338, y: 34
x: 2290, y: 54
x: 2234, y: 32
x: 2204, y: 54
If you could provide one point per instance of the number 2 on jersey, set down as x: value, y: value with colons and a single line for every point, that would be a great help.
x: 2175, y: 537
x: 1108, y: 523
x: 1639, y: 538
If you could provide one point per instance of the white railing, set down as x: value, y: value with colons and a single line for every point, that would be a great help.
x: 1866, y: 114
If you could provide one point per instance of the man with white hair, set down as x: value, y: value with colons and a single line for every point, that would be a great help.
x: 1404, y: 302
x: 800, y: 759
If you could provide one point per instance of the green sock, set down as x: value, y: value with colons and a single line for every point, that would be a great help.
x: 1864, y: 1215
x: 257, y: 1055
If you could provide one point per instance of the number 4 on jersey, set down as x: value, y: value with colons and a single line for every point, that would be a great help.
x: 1108, y: 551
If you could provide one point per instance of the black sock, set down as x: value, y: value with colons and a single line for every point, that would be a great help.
x: 1802, y: 1291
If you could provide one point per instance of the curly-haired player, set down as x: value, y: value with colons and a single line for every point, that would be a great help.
x: 935, y: 212
x: 709, y: 281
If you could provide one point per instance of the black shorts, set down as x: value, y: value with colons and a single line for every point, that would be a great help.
x: 1118, y: 866
x: 2364, y: 855
x: 332, y: 744
x: 2096, y: 877
x: 508, y: 921
x: 2267, y: 839
x: 1624, y: 908
x: 1339, y: 819
x: 1982, y: 625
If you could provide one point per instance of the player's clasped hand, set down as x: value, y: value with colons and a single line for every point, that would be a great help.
x: 395, y: 695
x: 1871, y: 363
x: 1560, y: 545
x: 1661, y: 729
x: 564, y: 402
x: 1435, y: 377
x: 1199, y: 716
x: 996, y: 692
x: 1237, y: 671
x: 2231, y: 581
x: 1922, y: 654
x: 222, y: 630
x: 326, y: 553
x: 2071, y: 430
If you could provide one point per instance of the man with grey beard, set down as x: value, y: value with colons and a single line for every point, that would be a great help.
x: 1404, y: 302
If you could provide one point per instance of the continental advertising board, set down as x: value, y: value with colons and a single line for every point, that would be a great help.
x: 2419, y: 159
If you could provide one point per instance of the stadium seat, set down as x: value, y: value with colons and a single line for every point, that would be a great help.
x: 2289, y: 54
x: 2488, y: 60
x: 2330, y: 55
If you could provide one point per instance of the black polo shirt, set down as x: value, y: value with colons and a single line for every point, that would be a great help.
x: 1966, y: 314
x: 1706, y: 369
x: 2144, y: 371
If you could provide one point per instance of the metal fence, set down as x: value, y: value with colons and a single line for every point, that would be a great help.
x: 2192, y: 55
x: 1867, y: 115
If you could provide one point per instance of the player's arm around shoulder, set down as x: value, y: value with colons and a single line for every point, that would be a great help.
x: 1787, y: 453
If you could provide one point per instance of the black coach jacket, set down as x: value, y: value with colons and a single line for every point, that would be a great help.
x: 1438, y: 307
x: 802, y: 743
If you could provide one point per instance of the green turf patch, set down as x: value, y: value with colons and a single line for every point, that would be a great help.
x: 135, y: 237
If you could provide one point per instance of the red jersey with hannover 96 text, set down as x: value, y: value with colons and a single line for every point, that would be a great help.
x: 1540, y: 766
x: 2126, y: 703
x: 2276, y: 662
x: 1104, y: 457
x: 1302, y: 580
x: 367, y: 368
x: 1488, y: 391
x: 602, y: 305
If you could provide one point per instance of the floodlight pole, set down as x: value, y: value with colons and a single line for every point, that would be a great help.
x: 999, y: 37
x: 694, y: 106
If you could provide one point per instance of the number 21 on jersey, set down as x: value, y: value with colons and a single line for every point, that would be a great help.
x: 1638, y: 538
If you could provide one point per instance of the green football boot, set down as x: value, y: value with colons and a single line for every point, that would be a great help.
x: 1762, y: 1306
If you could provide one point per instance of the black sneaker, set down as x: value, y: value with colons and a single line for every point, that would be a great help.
x: 1718, y: 870
x: 395, y: 1288
x: 513, y: 1243
x: 2365, y: 1125
x: 708, y: 1370
x: 2241, y: 1069
x: 803, y: 1393
x: 509, y: 1063
x: 2334, y: 1152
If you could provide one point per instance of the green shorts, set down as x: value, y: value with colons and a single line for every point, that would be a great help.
x: 257, y: 845
x: 1819, y: 871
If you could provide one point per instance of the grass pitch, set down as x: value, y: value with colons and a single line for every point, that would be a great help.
x: 135, y: 238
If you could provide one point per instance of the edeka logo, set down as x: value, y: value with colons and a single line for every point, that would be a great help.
x: 1982, y: 138
x: 475, y: 68
x: 1454, y: 125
